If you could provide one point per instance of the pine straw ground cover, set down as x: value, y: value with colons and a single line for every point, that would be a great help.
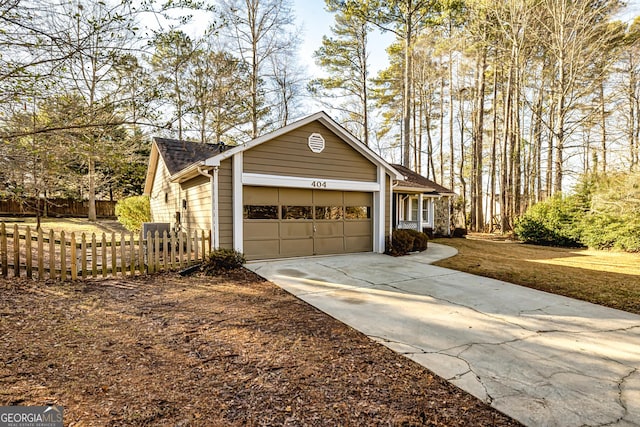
x: 201, y: 351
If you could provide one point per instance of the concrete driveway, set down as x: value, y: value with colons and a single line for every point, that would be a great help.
x: 543, y: 359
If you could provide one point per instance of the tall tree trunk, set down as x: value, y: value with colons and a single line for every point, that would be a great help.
x: 406, y: 110
x: 506, y: 136
x: 603, y: 127
x: 477, y: 220
x: 494, y: 139
x: 451, y: 148
x: 92, y: 189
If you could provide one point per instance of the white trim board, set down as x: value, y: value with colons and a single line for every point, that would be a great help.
x: 309, y: 183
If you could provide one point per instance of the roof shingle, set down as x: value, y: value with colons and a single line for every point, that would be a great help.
x: 177, y: 154
x: 413, y: 179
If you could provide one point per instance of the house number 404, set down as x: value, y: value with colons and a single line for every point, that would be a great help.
x: 319, y: 184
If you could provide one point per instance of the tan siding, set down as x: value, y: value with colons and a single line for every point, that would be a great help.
x: 225, y: 204
x: 163, y: 209
x: 290, y: 155
x: 197, y: 193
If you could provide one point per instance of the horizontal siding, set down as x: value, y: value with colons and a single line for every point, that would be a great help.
x: 163, y: 209
x: 225, y: 204
x: 289, y: 155
x: 197, y: 193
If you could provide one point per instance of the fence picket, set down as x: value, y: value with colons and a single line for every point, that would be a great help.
x: 123, y: 267
x: 132, y: 254
x: 114, y: 256
x: 94, y: 256
x: 74, y: 256
x: 3, y: 250
x: 27, y: 241
x: 69, y: 256
x: 103, y: 255
x: 40, y: 254
x: 83, y: 255
x: 141, y: 254
x: 52, y: 255
x: 16, y: 251
x: 156, y: 251
x: 63, y: 257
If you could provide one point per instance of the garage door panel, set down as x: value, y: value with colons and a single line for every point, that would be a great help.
x: 260, y: 196
x: 358, y: 244
x: 298, y: 230
x: 328, y: 198
x: 295, y: 196
x: 261, y: 249
x: 296, y: 247
x: 331, y: 245
x: 261, y: 230
x: 357, y: 199
x: 357, y: 228
x: 329, y: 229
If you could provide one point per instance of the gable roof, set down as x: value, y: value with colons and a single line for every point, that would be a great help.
x: 177, y: 154
x: 414, y: 181
x: 322, y: 117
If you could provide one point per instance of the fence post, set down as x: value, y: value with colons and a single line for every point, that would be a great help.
x: 188, y: 234
x: 165, y: 251
x: 16, y: 251
x: 3, y: 250
x: 63, y: 257
x: 27, y: 245
x: 83, y: 255
x: 103, y: 255
x: 40, y: 255
x: 74, y: 256
x: 52, y: 255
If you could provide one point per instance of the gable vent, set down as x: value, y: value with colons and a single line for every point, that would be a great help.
x: 316, y: 142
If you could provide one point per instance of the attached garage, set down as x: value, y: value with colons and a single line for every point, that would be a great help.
x: 287, y: 222
x: 309, y: 188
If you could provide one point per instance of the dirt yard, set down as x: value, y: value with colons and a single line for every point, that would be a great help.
x: 198, y: 351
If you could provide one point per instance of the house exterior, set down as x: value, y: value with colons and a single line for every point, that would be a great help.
x: 309, y: 188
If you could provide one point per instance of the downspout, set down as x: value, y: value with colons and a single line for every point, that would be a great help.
x: 215, y: 226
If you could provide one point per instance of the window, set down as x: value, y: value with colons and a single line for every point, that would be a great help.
x: 414, y: 210
x: 297, y: 212
x: 260, y: 212
x: 329, y: 212
x: 425, y: 210
x: 357, y: 212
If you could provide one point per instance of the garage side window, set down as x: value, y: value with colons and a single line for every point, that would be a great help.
x: 297, y: 212
x: 358, y: 212
x: 260, y: 212
x: 329, y: 212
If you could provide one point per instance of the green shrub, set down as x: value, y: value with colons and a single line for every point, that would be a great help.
x: 222, y: 260
x: 554, y: 222
x: 133, y: 211
x: 605, y: 231
x: 420, y: 240
x: 404, y: 241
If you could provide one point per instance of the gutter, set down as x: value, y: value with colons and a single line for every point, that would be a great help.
x: 215, y: 226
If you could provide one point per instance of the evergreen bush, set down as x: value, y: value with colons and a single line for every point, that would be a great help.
x: 133, y: 211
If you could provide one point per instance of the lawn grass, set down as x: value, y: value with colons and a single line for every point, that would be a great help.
x: 68, y: 225
x: 611, y: 279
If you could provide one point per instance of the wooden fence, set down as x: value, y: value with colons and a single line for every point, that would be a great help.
x: 57, y: 207
x: 68, y: 256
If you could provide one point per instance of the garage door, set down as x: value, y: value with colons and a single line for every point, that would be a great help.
x: 288, y: 222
